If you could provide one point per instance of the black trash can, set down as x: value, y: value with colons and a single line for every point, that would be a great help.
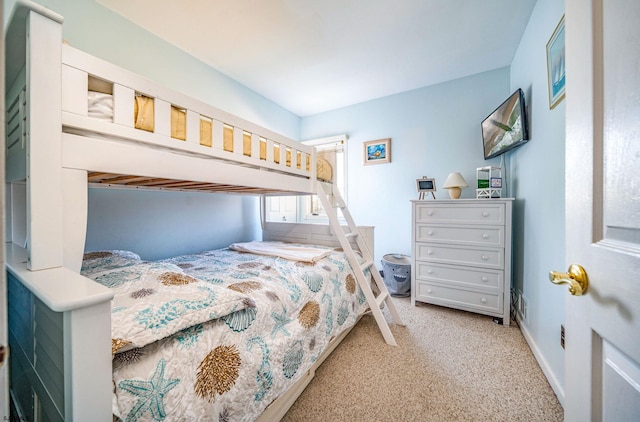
x: 396, y: 273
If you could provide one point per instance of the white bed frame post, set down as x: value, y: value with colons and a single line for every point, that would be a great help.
x: 44, y: 164
x: 87, y: 359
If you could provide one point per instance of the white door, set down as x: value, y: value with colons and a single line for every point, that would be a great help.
x: 4, y: 342
x: 281, y: 208
x: 602, y: 355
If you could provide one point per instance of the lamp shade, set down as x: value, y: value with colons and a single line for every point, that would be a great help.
x: 455, y: 182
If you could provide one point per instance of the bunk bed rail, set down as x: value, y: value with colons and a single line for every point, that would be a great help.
x: 143, y: 111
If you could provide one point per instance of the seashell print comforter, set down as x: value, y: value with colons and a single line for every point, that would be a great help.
x: 219, y: 335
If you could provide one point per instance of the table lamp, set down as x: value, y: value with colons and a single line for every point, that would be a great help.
x: 455, y: 182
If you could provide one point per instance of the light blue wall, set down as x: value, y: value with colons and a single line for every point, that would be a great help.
x: 538, y: 173
x: 434, y: 131
x: 166, y: 222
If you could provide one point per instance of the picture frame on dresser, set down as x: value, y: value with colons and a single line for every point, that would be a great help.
x: 425, y: 186
x: 462, y: 255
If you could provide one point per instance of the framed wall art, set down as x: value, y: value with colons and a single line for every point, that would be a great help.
x: 555, y: 65
x: 377, y: 152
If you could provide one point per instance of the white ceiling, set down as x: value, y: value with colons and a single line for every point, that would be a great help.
x: 311, y: 56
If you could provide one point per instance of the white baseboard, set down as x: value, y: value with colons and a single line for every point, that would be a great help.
x: 553, y: 381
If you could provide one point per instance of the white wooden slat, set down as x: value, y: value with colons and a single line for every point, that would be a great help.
x: 238, y: 140
x: 304, y: 164
x: 193, y: 127
x: 217, y: 129
x: 255, y: 146
x: 74, y: 90
x: 294, y: 158
x: 16, y: 158
x: 18, y: 85
x: 312, y: 167
x: 270, y: 150
x: 162, y: 117
x: 123, y: 99
x: 14, y: 123
x: 283, y: 155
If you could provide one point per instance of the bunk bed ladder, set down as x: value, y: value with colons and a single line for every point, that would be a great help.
x: 331, y: 201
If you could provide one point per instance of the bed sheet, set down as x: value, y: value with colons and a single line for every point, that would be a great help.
x: 230, y: 368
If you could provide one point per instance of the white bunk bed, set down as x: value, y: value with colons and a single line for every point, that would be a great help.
x: 57, y: 147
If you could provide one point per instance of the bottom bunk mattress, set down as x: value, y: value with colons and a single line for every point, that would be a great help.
x: 221, y: 334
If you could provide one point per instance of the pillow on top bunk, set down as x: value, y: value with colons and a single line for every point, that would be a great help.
x: 100, y: 106
x: 99, y: 261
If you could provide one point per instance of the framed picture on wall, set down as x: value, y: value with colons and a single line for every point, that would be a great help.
x: 377, y: 152
x: 555, y: 65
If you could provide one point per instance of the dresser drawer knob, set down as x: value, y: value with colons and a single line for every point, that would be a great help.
x: 485, y: 236
x: 428, y: 290
x: 429, y: 271
x: 485, y: 214
x: 429, y: 213
x: 430, y: 233
x: 483, y: 300
x: 485, y: 257
x: 429, y: 252
x: 485, y: 279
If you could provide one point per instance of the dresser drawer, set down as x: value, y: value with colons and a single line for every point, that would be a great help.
x: 464, y: 235
x: 464, y: 255
x: 460, y: 213
x: 464, y: 277
x: 458, y: 298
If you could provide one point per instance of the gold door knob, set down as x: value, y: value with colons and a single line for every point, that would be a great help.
x: 576, y: 277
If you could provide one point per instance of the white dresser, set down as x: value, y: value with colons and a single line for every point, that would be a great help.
x: 461, y: 255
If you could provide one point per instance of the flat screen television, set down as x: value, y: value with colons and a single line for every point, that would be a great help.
x: 505, y: 128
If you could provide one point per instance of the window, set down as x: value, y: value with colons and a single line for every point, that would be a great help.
x: 308, y: 209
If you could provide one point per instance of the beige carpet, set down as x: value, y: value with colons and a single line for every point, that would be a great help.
x: 449, y: 366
